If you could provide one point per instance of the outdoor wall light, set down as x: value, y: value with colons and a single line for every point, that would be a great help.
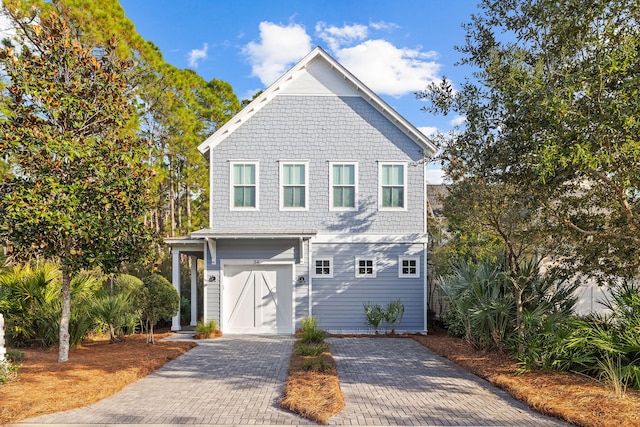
x: 301, y: 280
x: 212, y: 278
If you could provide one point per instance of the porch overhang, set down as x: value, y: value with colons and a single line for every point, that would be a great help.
x: 264, y: 233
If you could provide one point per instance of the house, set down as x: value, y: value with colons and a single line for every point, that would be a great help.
x: 317, y: 207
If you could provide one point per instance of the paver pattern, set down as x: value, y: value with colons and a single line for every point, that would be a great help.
x: 397, y: 381
x: 233, y: 380
x: 237, y: 380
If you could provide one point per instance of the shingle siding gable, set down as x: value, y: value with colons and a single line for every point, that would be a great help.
x: 319, y: 129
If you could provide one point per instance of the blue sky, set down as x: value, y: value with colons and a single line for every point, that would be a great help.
x: 396, y: 47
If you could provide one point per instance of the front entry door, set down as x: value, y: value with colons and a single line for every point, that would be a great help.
x: 257, y: 299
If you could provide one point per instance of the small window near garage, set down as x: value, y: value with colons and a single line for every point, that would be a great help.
x: 323, y: 268
x: 408, y: 267
x: 365, y: 267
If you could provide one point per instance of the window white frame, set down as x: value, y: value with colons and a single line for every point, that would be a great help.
x: 408, y: 267
x: 404, y: 186
x: 304, y: 163
x: 232, y: 185
x: 369, y: 266
x: 355, y: 187
x: 325, y: 265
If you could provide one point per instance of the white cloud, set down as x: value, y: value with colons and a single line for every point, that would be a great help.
x: 428, y: 130
x: 335, y: 37
x: 458, y: 120
x: 279, y: 47
x: 382, y: 25
x: 387, y: 69
x: 198, y: 54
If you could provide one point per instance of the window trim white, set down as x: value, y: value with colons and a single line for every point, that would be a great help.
x: 320, y: 275
x: 405, y: 185
x: 365, y: 276
x: 355, y: 187
x: 232, y: 163
x: 281, y: 165
x: 401, y: 275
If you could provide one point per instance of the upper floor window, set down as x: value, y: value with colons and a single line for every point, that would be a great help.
x: 293, y: 185
x: 244, y: 183
x: 343, y: 178
x: 393, y: 178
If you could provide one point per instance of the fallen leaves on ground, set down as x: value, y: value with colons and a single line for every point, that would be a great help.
x: 94, y: 371
x: 575, y: 398
x: 313, y: 393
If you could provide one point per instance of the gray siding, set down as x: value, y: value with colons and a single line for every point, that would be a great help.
x: 320, y: 129
x: 261, y: 249
x: 338, y: 302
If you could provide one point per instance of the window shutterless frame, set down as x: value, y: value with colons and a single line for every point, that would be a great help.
x: 322, y: 268
x: 294, y: 185
x: 244, y: 187
x: 365, y: 267
x: 343, y: 186
x: 392, y: 186
x: 408, y: 267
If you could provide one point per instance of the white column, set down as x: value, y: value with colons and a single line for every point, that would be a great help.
x: 175, y: 279
x: 194, y: 290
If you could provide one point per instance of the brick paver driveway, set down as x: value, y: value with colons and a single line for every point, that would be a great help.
x: 237, y: 380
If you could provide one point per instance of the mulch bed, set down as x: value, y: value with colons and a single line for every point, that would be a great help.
x: 575, y: 398
x: 94, y: 371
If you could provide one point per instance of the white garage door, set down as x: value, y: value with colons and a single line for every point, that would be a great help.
x: 257, y: 299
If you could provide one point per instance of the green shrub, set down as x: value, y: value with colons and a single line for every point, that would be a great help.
x: 206, y: 328
x: 157, y: 300
x: 310, y: 333
x: 8, y: 371
x: 311, y: 349
x: 14, y: 355
x: 316, y: 364
x: 374, y: 315
x: 393, y: 314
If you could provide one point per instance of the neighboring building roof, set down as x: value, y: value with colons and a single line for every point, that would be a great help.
x: 299, y: 77
x: 435, y: 199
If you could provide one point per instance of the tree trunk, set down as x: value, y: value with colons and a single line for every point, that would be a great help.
x: 172, y: 200
x: 63, y: 352
x: 188, y: 204
x: 178, y: 196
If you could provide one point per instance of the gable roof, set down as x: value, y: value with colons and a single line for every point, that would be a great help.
x: 351, y: 84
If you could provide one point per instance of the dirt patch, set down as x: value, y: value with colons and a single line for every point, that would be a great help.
x: 94, y: 371
x: 312, y: 389
x: 572, y: 397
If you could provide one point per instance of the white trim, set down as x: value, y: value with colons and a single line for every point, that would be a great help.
x: 312, y: 267
x: 211, y: 187
x: 371, y: 238
x: 402, y: 258
x: 300, y: 68
x: 373, y: 265
x: 205, y: 285
x: 405, y: 185
x: 212, y: 246
x: 310, y: 289
x: 306, y: 184
x: 355, y: 186
x: 232, y: 185
x: 425, y: 290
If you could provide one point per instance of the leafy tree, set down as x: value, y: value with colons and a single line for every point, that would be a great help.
x: 553, y: 112
x: 79, y: 189
x: 157, y: 300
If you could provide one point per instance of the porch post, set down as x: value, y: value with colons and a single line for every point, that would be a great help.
x: 194, y: 290
x: 175, y: 279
